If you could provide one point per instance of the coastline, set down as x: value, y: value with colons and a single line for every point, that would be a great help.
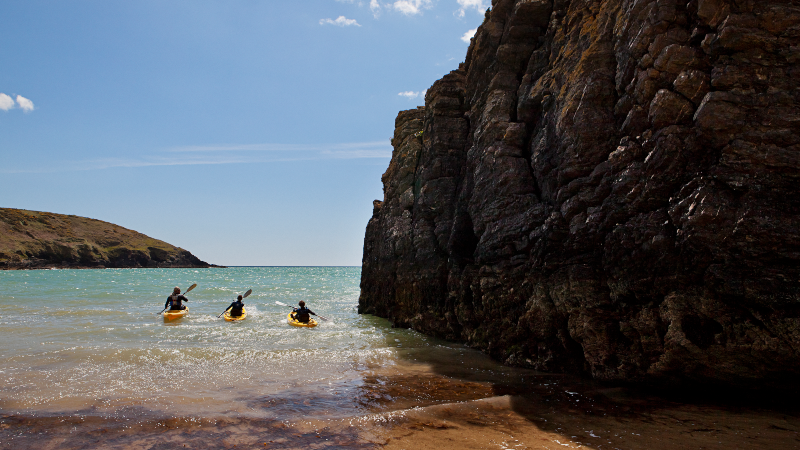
x: 57, y: 267
x: 94, y: 367
x: 544, y: 419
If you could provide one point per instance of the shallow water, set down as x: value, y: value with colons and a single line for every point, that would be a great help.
x: 94, y: 341
x: 86, y: 362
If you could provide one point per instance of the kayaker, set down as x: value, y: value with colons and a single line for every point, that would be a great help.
x: 301, y: 314
x: 174, y: 300
x: 236, y: 307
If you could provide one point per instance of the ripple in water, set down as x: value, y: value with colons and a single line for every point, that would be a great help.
x: 87, y: 362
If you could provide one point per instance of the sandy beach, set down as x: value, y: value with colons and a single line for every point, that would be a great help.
x: 553, y: 412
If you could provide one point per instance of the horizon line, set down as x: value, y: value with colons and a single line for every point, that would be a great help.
x: 228, y: 266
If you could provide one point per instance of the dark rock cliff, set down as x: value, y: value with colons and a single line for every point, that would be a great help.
x: 607, y: 187
x: 35, y: 240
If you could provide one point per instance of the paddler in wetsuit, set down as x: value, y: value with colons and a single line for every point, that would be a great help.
x: 301, y: 314
x: 174, y: 300
x: 236, y: 307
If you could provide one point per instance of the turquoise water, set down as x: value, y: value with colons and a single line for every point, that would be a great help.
x: 91, y: 341
x: 86, y: 362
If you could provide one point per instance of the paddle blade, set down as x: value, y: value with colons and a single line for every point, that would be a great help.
x: 190, y: 288
x: 249, y: 291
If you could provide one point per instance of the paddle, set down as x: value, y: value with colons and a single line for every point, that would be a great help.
x: 284, y: 304
x: 185, y: 292
x: 249, y: 291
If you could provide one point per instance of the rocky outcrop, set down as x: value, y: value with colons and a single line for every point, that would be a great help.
x: 35, y: 240
x: 608, y: 187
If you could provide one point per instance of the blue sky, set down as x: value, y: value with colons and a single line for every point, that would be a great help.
x: 248, y: 132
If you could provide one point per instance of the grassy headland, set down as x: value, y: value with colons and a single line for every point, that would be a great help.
x: 33, y: 240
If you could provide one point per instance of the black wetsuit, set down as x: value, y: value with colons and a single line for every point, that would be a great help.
x: 302, y: 314
x: 236, y: 308
x: 174, y: 302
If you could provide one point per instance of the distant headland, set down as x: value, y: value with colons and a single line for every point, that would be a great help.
x: 41, y: 240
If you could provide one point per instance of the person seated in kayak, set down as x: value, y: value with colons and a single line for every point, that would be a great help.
x: 174, y: 300
x: 301, y: 314
x: 236, y: 307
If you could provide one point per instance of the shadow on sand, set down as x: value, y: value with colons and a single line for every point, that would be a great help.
x: 529, y: 409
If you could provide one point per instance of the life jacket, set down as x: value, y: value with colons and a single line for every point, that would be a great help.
x: 236, y: 308
x: 174, y: 301
x: 301, y: 315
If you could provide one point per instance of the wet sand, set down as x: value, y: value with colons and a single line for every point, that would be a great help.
x: 513, y: 422
x: 420, y: 409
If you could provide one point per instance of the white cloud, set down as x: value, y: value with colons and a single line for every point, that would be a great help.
x: 6, y: 102
x: 226, y: 154
x: 375, y: 7
x: 469, y: 35
x: 478, y: 5
x: 411, y: 7
x: 277, y: 147
x: 24, y: 103
x: 340, y: 21
x: 356, y: 154
x: 263, y: 153
x: 412, y: 95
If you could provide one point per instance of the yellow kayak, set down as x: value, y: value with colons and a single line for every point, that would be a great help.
x: 227, y: 316
x: 175, y: 314
x: 311, y: 322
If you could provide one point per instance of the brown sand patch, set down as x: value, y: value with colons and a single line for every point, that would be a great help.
x: 498, y: 423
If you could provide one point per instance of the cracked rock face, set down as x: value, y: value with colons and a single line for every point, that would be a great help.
x: 607, y: 187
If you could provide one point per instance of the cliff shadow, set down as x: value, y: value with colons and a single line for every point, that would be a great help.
x: 575, y: 410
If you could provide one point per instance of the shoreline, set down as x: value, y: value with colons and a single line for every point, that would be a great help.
x: 94, y: 367
x: 60, y: 267
x: 210, y: 266
x: 591, y: 419
x: 422, y: 404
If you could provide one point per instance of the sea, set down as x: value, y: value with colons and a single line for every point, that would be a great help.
x: 87, y: 361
